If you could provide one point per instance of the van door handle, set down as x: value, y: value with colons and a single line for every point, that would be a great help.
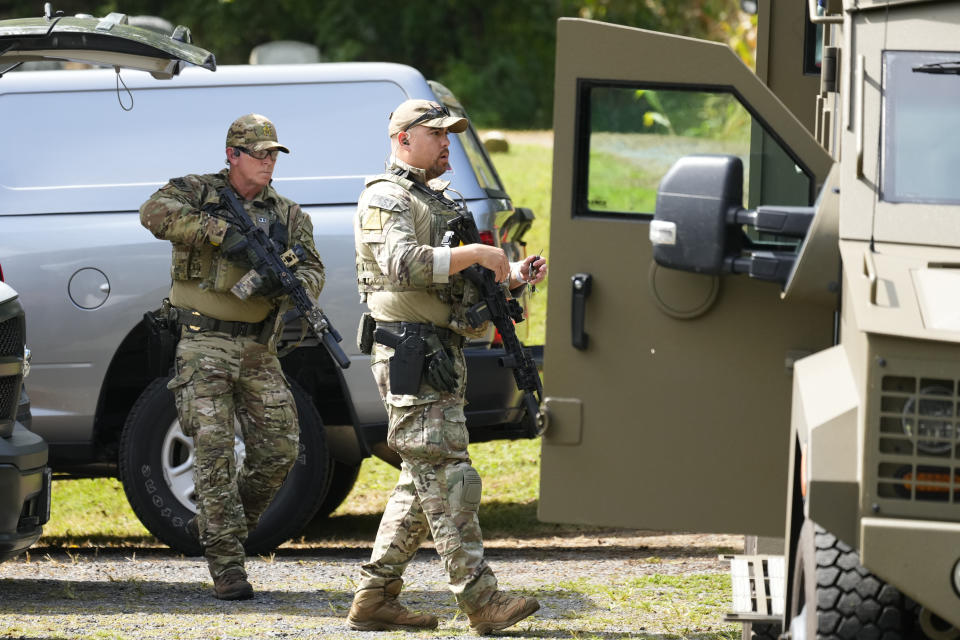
x: 582, y: 283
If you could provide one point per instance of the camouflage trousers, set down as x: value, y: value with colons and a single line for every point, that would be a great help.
x: 220, y: 378
x: 438, y: 491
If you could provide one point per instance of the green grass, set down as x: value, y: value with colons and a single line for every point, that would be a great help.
x: 527, y: 173
x: 92, y: 512
x: 617, y: 184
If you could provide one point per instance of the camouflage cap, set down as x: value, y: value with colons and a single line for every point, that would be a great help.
x: 426, y: 113
x: 255, y: 133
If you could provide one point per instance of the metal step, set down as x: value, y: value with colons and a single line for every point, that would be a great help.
x: 758, y: 586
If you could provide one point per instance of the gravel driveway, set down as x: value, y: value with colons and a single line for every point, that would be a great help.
x: 306, y: 592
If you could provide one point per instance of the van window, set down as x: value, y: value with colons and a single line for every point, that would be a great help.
x: 96, y: 157
x: 921, y: 129
x: 630, y: 135
x: 486, y: 175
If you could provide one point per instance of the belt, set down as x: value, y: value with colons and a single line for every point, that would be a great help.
x: 196, y: 321
x: 447, y: 336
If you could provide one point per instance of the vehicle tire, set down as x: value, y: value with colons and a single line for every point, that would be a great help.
x: 761, y: 631
x: 834, y: 597
x: 342, y: 479
x: 156, y: 469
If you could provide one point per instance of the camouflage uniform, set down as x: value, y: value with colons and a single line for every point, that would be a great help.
x: 402, y: 277
x: 220, y: 376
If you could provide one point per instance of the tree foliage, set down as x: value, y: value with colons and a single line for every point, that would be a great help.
x: 497, y: 56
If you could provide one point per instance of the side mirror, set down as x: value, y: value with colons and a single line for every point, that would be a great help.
x: 696, y: 197
x: 699, y: 222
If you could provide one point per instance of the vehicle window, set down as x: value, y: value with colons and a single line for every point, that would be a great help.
x: 336, y: 133
x: 479, y: 161
x: 630, y: 136
x: 812, y: 47
x: 921, y: 130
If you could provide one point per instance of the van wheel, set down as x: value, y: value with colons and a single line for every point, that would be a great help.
x: 342, y: 479
x: 834, y: 597
x: 156, y: 469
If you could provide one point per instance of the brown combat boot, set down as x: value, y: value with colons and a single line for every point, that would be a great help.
x: 501, y: 612
x: 232, y: 585
x: 379, y: 610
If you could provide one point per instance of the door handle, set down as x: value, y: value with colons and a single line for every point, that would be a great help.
x: 582, y: 284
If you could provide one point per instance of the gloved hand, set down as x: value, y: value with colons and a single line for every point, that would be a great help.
x: 234, y: 247
x: 440, y: 371
x: 269, y: 286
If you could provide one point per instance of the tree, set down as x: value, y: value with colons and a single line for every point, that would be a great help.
x: 497, y: 56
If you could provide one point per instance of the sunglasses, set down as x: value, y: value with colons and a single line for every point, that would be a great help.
x: 260, y: 155
x: 432, y: 114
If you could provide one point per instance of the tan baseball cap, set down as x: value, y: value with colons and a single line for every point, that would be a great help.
x: 254, y: 132
x: 412, y: 113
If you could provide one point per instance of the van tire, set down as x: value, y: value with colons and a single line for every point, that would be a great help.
x: 141, y: 470
x: 843, y: 599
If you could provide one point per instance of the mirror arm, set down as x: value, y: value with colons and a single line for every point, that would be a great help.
x: 782, y: 221
x: 772, y: 266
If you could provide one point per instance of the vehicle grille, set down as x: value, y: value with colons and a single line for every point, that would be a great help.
x: 12, y: 333
x: 8, y: 396
x: 12, y: 336
x: 918, y: 446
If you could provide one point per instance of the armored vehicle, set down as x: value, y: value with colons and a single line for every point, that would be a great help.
x: 765, y: 339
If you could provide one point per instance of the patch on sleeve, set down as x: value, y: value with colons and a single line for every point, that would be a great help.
x: 385, y: 202
x: 374, y: 219
x: 372, y: 223
x: 180, y: 183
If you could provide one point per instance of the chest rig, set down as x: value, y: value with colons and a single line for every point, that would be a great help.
x: 430, y: 229
x: 207, y: 263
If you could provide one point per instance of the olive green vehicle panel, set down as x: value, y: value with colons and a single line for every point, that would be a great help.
x: 676, y: 415
x: 785, y: 75
x: 914, y: 555
x: 100, y: 41
x: 903, y: 26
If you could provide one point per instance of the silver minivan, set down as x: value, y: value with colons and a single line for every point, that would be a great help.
x: 90, y: 148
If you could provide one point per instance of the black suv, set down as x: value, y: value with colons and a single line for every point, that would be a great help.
x: 24, y: 475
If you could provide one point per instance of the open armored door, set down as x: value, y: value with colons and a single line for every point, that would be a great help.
x: 667, y: 392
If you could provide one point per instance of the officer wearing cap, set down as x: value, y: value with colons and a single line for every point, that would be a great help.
x: 226, y: 361
x: 413, y: 287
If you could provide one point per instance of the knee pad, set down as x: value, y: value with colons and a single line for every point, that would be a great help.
x: 469, y: 487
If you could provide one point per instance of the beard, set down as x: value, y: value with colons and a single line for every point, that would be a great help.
x: 438, y: 169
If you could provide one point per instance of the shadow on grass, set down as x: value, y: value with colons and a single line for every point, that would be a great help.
x: 497, y: 519
x: 353, y: 535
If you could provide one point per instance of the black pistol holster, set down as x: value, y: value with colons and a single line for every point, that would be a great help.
x: 406, y: 365
x: 365, y: 333
x: 163, y: 333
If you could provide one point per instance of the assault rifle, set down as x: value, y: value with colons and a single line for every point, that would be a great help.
x: 267, y: 259
x: 502, y: 311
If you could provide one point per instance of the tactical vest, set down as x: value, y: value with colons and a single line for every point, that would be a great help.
x: 457, y: 292
x: 207, y: 263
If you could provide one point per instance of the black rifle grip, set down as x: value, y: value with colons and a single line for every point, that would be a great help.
x: 582, y: 283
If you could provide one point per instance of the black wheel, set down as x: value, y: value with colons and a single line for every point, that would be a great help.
x: 834, y: 597
x: 342, y: 479
x: 761, y: 631
x: 156, y: 469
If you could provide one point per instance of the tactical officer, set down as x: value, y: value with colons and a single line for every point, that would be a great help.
x: 226, y: 360
x: 412, y: 287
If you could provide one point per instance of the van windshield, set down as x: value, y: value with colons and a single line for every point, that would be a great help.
x: 921, y: 127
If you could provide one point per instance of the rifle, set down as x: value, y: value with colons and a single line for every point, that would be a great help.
x: 495, y: 306
x: 269, y: 259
